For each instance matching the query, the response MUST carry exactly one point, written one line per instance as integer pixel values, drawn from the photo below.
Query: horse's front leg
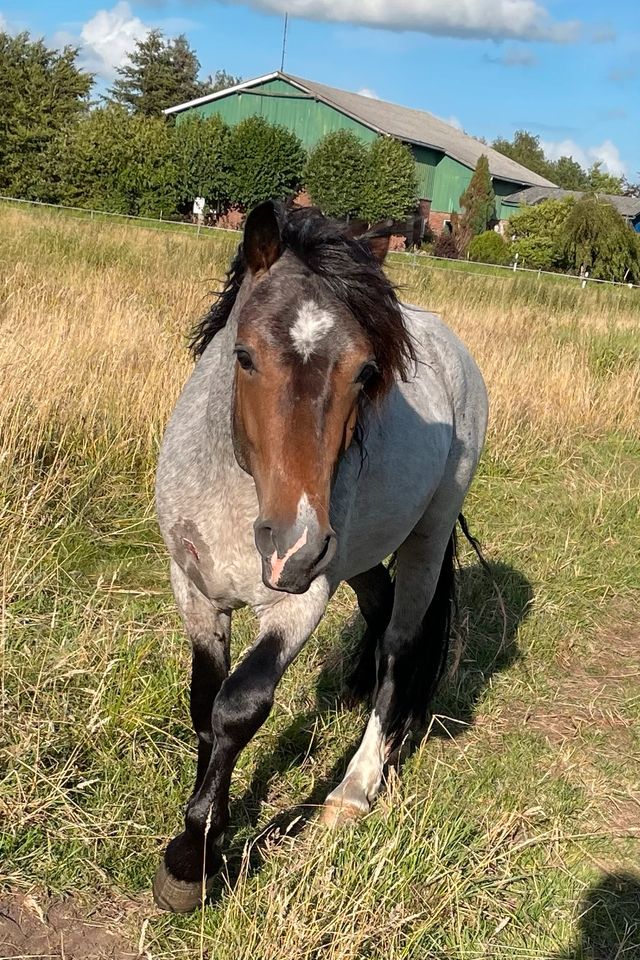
(239, 710)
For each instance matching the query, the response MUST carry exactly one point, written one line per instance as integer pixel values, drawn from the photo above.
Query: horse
(325, 427)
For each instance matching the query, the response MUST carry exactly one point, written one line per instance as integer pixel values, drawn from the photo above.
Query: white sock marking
(311, 326)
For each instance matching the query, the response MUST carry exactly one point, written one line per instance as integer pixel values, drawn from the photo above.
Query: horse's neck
(220, 398)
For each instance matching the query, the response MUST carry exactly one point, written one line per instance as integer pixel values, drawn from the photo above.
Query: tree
(525, 148)
(200, 160)
(390, 186)
(568, 174)
(536, 232)
(630, 189)
(160, 73)
(121, 163)
(595, 237)
(478, 204)
(335, 173)
(220, 80)
(264, 161)
(42, 94)
(599, 181)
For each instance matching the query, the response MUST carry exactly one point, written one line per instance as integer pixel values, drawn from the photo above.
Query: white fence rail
(416, 259)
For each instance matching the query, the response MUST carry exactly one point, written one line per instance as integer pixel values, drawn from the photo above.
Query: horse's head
(319, 330)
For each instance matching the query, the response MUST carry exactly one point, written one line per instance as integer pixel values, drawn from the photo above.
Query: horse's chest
(214, 545)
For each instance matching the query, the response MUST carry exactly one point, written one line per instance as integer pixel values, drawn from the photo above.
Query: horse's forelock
(351, 275)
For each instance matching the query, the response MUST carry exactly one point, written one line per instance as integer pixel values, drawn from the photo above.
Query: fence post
(515, 263)
(585, 277)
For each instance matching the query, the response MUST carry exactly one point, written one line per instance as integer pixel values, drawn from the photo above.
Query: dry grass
(478, 852)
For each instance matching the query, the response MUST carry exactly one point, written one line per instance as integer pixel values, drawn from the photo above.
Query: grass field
(514, 830)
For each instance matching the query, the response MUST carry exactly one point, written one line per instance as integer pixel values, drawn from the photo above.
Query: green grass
(500, 832)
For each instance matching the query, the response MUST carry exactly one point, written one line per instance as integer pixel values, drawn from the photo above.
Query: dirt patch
(37, 927)
(586, 719)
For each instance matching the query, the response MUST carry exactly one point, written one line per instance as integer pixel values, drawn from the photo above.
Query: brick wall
(436, 221)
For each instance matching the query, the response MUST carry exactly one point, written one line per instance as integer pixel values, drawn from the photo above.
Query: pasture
(514, 830)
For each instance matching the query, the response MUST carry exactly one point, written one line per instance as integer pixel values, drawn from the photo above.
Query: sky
(565, 70)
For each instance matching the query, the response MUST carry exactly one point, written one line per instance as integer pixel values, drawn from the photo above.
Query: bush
(536, 233)
(335, 174)
(199, 148)
(390, 186)
(121, 163)
(445, 246)
(596, 237)
(489, 247)
(264, 161)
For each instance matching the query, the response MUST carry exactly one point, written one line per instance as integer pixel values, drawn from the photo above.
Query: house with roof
(445, 156)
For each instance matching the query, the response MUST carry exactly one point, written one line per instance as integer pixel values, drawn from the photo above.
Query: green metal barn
(445, 156)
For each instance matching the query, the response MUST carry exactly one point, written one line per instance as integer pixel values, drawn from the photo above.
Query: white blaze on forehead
(310, 328)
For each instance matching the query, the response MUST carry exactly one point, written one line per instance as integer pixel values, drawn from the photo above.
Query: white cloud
(477, 19)
(366, 92)
(605, 153)
(4, 24)
(109, 36)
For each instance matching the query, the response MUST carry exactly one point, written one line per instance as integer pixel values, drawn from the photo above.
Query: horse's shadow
(489, 616)
(608, 920)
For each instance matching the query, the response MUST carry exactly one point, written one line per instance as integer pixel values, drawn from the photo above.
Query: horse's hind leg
(411, 658)
(209, 630)
(374, 590)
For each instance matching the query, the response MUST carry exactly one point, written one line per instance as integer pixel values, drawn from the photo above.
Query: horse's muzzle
(293, 556)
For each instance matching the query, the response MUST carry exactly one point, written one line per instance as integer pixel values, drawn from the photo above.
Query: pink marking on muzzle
(278, 563)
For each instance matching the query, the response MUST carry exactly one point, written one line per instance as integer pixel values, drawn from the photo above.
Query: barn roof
(412, 126)
(627, 206)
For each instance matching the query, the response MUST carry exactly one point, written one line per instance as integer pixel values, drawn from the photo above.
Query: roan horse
(325, 427)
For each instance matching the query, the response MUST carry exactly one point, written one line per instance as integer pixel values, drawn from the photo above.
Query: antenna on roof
(284, 41)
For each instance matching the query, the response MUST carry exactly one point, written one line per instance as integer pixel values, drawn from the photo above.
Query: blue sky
(566, 70)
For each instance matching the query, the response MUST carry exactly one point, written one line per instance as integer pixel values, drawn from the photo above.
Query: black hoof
(179, 896)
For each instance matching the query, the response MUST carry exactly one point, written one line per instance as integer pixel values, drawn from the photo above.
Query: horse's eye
(368, 371)
(244, 359)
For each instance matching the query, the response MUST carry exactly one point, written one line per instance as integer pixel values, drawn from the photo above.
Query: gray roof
(421, 128)
(627, 206)
(413, 126)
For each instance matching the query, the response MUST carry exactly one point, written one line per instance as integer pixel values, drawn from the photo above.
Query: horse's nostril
(326, 554)
(264, 539)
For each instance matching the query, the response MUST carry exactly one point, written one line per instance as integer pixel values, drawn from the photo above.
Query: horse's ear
(378, 238)
(262, 244)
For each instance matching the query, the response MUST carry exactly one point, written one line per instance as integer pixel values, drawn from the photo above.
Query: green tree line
(125, 156)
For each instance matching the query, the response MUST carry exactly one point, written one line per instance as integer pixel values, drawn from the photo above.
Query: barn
(445, 156)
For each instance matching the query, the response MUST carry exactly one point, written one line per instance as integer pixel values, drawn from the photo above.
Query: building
(445, 156)
(628, 207)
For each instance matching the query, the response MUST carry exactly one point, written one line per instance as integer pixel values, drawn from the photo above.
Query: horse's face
(302, 363)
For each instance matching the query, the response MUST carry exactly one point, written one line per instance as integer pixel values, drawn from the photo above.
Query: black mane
(352, 275)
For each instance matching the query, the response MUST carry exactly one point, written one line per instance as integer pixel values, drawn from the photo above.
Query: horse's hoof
(338, 813)
(178, 896)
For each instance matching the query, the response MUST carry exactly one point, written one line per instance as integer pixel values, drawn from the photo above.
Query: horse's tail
(430, 654)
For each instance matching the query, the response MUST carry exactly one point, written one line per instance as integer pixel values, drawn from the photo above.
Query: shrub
(489, 247)
(265, 162)
(335, 173)
(199, 146)
(118, 162)
(390, 185)
(445, 246)
(536, 233)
